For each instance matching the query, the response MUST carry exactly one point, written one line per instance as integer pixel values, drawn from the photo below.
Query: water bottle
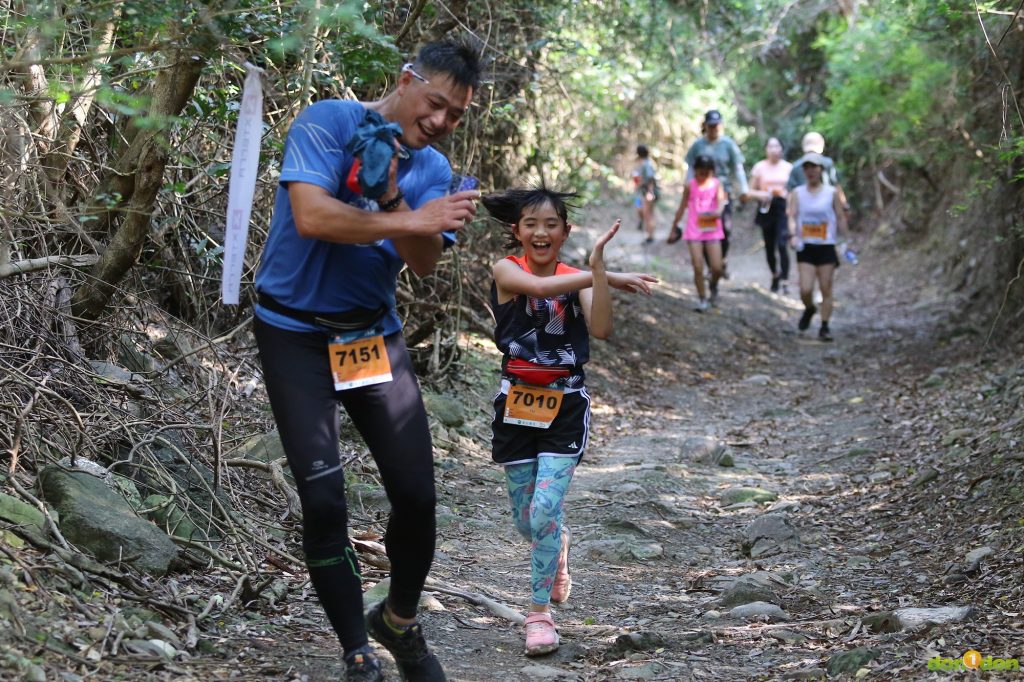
(850, 255)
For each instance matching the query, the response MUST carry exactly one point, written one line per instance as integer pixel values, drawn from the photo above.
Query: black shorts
(818, 254)
(566, 437)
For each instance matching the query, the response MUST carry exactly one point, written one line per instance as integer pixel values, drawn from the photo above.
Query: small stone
(787, 636)
(957, 435)
(638, 641)
(882, 621)
(974, 557)
(851, 661)
(431, 603)
(446, 410)
(745, 591)
(542, 672)
(160, 631)
(758, 380)
(743, 494)
(912, 618)
(705, 450)
(806, 674)
(926, 476)
(696, 640)
(34, 673)
(646, 551)
(759, 609)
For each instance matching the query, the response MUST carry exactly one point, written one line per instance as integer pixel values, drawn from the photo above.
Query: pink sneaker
(563, 581)
(541, 636)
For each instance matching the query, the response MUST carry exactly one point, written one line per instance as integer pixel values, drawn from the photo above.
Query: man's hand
(446, 214)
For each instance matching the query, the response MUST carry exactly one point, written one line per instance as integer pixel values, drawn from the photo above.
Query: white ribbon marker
(245, 161)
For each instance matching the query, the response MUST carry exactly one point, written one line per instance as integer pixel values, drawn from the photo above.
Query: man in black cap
(728, 167)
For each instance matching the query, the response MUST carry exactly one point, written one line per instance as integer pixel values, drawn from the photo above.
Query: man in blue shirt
(328, 332)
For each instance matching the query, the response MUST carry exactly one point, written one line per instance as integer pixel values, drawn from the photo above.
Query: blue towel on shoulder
(374, 144)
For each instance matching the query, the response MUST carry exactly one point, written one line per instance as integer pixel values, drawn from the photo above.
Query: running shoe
(649, 240)
(362, 666)
(805, 319)
(702, 305)
(775, 285)
(785, 287)
(541, 635)
(675, 234)
(563, 581)
(415, 661)
(825, 334)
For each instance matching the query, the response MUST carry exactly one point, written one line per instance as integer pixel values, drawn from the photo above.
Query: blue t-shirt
(320, 276)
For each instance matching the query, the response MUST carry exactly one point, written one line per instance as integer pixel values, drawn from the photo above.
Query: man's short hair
(457, 59)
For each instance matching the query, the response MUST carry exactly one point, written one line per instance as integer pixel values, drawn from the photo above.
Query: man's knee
(414, 500)
(324, 512)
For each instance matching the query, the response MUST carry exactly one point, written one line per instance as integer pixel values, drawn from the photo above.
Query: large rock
(769, 533)
(29, 519)
(99, 520)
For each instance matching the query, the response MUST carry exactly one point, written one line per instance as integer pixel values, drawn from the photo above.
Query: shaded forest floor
(880, 461)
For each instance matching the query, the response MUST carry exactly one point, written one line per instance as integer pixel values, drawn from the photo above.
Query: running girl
(545, 312)
(815, 215)
(703, 201)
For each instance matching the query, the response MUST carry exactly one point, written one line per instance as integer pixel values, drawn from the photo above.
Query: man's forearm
(420, 253)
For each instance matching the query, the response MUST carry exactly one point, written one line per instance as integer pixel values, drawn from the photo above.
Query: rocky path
(754, 504)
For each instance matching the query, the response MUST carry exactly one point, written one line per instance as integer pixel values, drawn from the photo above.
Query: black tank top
(551, 332)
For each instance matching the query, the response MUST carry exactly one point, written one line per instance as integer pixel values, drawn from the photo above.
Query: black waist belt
(350, 320)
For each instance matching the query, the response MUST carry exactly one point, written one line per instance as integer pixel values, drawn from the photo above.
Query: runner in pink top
(704, 199)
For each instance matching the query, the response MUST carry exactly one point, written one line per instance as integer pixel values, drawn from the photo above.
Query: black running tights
(391, 419)
(775, 230)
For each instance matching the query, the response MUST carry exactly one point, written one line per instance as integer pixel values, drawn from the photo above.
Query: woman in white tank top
(815, 217)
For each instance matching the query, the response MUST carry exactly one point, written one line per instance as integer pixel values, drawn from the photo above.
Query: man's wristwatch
(392, 203)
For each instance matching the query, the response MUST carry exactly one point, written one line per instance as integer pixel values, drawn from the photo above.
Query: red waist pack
(531, 373)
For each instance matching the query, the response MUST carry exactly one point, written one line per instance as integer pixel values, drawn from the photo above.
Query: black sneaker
(414, 659)
(362, 666)
(824, 333)
(775, 285)
(805, 319)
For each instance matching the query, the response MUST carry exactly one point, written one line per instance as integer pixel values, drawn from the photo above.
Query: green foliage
(887, 88)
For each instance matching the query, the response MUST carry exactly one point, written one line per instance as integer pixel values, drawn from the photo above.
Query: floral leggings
(537, 490)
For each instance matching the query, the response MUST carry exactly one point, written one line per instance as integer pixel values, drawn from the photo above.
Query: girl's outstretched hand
(597, 255)
(631, 282)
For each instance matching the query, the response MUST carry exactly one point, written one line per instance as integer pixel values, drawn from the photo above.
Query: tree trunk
(138, 174)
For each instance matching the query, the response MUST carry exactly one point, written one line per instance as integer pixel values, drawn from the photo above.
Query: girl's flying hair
(704, 162)
(507, 207)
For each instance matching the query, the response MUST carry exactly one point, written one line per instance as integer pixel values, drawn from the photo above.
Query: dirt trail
(819, 428)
